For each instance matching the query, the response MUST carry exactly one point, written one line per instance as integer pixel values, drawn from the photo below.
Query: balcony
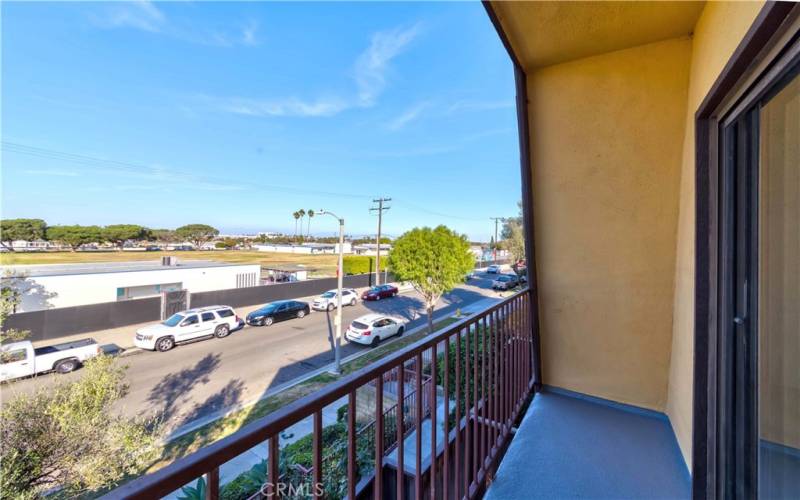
(459, 391)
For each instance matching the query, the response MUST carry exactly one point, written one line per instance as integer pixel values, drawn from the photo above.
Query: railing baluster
(212, 484)
(400, 419)
(475, 383)
(446, 459)
(273, 476)
(378, 486)
(434, 407)
(317, 453)
(418, 426)
(457, 469)
(507, 372)
(468, 448)
(492, 382)
(484, 435)
(352, 466)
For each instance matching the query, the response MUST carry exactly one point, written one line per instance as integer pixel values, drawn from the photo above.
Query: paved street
(195, 380)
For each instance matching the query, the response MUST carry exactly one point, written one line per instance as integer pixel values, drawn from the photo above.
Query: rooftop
(33, 270)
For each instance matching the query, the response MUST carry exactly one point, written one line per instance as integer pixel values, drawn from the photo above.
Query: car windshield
(359, 325)
(375, 289)
(173, 320)
(267, 308)
(504, 278)
(328, 295)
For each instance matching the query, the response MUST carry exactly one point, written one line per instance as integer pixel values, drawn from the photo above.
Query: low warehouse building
(64, 285)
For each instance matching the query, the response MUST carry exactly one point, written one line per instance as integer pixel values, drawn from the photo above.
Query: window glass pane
(779, 296)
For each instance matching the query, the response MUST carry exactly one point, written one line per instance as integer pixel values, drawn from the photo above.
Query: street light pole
(337, 368)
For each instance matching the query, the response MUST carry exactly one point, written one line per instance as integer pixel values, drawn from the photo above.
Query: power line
(380, 209)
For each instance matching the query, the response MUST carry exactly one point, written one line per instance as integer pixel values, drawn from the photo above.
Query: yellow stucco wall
(607, 136)
(717, 33)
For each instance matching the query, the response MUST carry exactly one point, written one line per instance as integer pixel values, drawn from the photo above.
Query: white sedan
(373, 328)
(329, 300)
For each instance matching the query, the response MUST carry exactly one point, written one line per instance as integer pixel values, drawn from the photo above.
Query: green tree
(67, 436)
(120, 233)
(75, 236)
(197, 234)
(10, 298)
(296, 216)
(434, 261)
(302, 214)
(227, 243)
(21, 229)
(513, 235)
(310, 214)
(164, 235)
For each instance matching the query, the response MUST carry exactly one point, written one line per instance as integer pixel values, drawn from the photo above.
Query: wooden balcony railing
(474, 376)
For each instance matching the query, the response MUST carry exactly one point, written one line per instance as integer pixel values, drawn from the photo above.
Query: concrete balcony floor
(573, 446)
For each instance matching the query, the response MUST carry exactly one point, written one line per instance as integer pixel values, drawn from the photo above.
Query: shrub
(361, 264)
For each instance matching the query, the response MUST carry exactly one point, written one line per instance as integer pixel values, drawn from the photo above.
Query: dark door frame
(526, 176)
(753, 65)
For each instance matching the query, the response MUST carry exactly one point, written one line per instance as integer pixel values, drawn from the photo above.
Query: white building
(304, 248)
(63, 285)
(371, 249)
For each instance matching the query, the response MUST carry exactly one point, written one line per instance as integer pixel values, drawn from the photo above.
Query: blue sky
(238, 114)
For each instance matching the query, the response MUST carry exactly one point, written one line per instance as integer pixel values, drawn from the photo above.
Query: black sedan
(278, 311)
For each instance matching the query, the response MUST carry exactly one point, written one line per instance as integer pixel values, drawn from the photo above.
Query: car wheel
(376, 341)
(268, 321)
(330, 307)
(66, 366)
(222, 331)
(400, 331)
(301, 313)
(353, 302)
(394, 294)
(165, 344)
(377, 297)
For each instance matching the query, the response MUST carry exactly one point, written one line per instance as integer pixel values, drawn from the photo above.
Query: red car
(380, 292)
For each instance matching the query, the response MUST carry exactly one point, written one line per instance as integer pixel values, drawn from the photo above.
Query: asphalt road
(195, 380)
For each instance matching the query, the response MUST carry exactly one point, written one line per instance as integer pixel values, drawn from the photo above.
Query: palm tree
(302, 214)
(310, 215)
(296, 216)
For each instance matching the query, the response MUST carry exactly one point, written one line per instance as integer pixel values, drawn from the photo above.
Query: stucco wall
(607, 135)
(719, 30)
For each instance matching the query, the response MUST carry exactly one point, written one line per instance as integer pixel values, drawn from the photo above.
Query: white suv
(327, 301)
(218, 321)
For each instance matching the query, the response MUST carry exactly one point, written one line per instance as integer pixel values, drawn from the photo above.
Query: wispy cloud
(52, 173)
(407, 116)
(144, 15)
(372, 65)
(479, 105)
(292, 106)
(369, 73)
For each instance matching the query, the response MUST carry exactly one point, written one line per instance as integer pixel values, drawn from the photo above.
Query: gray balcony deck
(574, 447)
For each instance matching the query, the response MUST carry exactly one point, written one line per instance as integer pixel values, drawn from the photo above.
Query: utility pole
(494, 250)
(380, 208)
(337, 364)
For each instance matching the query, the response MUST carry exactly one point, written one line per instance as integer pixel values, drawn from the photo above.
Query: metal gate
(172, 302)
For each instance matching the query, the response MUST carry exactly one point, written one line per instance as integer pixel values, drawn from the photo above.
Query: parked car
(380, 292)
(373, 328)
(216, 321)
(20, 359)
(493, 269)
(328, 300)
(278, 311)
(505, 282)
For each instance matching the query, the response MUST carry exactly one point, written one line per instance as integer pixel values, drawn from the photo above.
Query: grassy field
(320, 265)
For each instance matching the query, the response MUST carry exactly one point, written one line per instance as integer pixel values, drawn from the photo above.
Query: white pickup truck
(20, 359)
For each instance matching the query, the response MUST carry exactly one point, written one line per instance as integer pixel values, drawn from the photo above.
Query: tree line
(75, 235)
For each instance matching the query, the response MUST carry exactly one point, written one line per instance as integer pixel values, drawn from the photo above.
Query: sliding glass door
(759, 341)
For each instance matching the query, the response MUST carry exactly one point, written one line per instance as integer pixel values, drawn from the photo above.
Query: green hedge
(362, 264)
